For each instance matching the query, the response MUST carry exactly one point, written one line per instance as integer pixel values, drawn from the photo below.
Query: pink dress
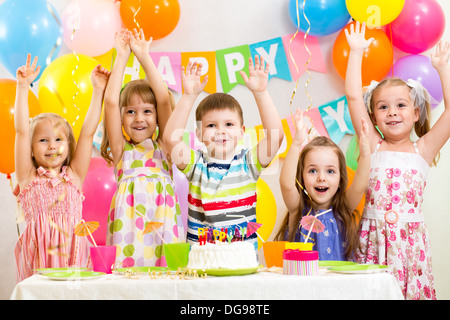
(51, 208)
(393, 231)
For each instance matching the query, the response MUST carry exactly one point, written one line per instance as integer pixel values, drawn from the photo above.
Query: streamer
(75, 26)
(135, 14)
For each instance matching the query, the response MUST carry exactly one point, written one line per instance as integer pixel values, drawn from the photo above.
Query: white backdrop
(206, 25)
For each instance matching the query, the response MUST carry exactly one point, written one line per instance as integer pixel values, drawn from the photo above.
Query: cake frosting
(235, 255)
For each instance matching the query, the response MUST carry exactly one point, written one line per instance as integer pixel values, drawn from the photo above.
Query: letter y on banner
(336, 118)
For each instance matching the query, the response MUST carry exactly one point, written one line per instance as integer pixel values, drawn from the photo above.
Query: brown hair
(142, 88)
(349, 219)
(419, 129)
(218, 101)
(56, 120)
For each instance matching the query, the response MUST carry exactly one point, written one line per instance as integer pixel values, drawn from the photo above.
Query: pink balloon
(419, 26)
(99, 188)
(181, 188)
(90, 25)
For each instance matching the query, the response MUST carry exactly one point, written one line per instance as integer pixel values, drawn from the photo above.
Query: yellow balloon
(375, 13)
(266, 210)
(106, 59)
(65, 88)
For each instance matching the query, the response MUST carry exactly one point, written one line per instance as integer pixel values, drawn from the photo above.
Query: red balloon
(99, 188)
(7, 130)
(157, 18)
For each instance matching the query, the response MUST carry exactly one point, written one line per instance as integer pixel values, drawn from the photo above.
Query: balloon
(325, 16)
(418, 67)
(377, 59)
(181, 185)
(98, 188)
(58, 92)
(375, 13)
(351, 175)
(351, 156)
(157, 18)
(419, 27)
(90, 25)
(7, 131)
(266, 210)
(28, 27)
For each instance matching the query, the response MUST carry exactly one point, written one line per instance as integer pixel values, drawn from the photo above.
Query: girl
(50, 169)
(392, 229)
(145, 190)
(320, 184)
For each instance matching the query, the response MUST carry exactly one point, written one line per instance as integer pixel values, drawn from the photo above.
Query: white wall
(212, 25)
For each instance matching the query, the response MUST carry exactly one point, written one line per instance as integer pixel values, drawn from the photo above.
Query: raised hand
(442, 55)
(301, 130)
(26, 74)
(100, 77)
(190, 77)
(258, 75)
(122, 42)
(138, 44)
(356, 37)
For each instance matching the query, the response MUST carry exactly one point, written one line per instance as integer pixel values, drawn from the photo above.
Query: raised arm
(432, 142)
(173, 137)
(274, 134)
(82, 155)
(141, 49)
(288, 176)
(25, 75)
(113, 119)
(356, 190)
(353, 80)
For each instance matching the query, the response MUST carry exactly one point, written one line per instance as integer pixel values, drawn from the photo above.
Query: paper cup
(299, 245)
(103, 258)
(273, 253)
(177, 255)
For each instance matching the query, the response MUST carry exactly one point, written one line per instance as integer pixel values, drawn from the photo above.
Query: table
(258, 286)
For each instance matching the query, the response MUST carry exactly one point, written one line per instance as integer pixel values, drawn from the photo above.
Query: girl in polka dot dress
(145, 191)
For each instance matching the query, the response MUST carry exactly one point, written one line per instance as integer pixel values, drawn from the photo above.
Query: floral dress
(393, 231)
(51, 206)
(145, 193)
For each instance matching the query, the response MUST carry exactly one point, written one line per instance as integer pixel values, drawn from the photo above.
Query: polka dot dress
(145, 193)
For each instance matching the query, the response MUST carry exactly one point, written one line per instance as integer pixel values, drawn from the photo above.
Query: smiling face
(393, 111)
(139, 119)
(220, 132)
(321, 175)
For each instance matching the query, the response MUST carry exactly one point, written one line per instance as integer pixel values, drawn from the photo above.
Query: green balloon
(352, 153)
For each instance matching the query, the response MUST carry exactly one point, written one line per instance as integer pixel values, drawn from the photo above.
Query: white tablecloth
(257, 286)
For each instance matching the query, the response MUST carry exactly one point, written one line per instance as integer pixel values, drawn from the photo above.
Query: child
(145, 190)
(222, 181)
(50, 169)
(393, 231)
(313, 181)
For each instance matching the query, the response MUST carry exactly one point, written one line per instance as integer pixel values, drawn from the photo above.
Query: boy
(222, 181)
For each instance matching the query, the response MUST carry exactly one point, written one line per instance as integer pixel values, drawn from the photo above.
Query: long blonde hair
(55, 120)
(140, 87)
(349, 219)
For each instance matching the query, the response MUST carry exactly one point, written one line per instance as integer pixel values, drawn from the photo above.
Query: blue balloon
(325, 16)
(29, 26)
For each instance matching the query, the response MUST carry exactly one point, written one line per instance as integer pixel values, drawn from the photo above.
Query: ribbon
(135, 14)
(75, 26)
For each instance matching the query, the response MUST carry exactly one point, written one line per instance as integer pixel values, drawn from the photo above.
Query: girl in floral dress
(393, 231)
(145, 191)
(50, 170)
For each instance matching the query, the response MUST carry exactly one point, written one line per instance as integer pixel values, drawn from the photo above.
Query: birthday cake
(234, 255)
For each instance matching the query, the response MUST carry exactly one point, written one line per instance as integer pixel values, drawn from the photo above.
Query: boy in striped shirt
(222, 180)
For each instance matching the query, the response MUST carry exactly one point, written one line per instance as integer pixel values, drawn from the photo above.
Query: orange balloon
(351, 175)
(157, 18)
(7, 131)
(377, 59)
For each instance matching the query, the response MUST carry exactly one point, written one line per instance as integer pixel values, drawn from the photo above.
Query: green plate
(48, 270)
(140, 269)
(360, 268)
(227, 272)
(332, 263)
(75, 275)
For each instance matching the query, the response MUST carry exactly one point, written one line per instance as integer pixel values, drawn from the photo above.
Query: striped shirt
(219, 188)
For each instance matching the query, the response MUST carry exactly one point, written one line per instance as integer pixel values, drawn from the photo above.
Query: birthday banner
(279, 52)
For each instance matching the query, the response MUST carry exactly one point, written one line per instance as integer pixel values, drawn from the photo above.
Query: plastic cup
(177, 255)
(103, 258)
(273, 253)
(299, 245)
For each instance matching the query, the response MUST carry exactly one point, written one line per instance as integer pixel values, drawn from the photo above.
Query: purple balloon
(419, 68)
